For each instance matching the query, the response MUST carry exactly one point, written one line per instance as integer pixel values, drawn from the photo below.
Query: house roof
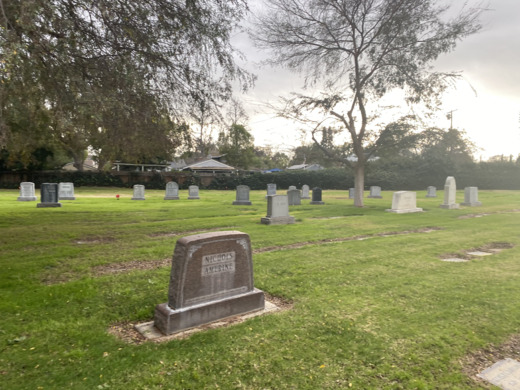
(209, 165)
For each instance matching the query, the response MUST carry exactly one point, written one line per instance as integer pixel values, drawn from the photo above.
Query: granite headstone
(277, 211)
(450, 194)
(193, 192)
(431, 192)
(66, 191)
(27, 192)
(138, 192)
(172, 191)
(242, 196)
(317, 196)
(49, 195)
(294, 197)
(305, 192)
(471, 197)
(375, 192)
(271, 189)
(404, 202)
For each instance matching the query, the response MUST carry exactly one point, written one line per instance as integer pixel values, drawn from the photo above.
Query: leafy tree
(85, 68)
(361, 50)
(237, 145)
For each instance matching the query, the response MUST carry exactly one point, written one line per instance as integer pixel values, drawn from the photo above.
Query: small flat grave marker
(479, 253)
(455, 260)
(211, 279)
(504, 374)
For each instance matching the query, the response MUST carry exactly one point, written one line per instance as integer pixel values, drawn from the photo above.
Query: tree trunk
(359, 183)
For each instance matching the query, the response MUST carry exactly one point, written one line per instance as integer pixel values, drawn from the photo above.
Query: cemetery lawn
(373, 305)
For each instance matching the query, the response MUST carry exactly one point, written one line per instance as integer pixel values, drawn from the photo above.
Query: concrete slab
(455, 260)
(504, 374)
(479, 253)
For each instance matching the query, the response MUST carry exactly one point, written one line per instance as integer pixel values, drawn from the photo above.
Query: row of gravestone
(51, 193)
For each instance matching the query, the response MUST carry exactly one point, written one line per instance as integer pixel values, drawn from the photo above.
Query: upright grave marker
(172, 191)
(404, 202)
(316, 196)
(375, 192)
(431, 192)
(291, 188)
(242, 196)
(193, 192)
(277, 211)
(471, 197)
(450, 194)
(27, 193)
(305, 192)
(211, 279)
(271, 190)
(49, 195)
(294, 197)
(351, 193)
(138, 192)
(66, 191)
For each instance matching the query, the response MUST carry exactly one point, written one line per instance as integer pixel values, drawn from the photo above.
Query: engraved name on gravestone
(277, 211)
(316, 196)
(66, 191)
(242, 196)
(404, 202)
(375, 192)
(471, 197)
(306, 192)
(211, 278)
(193, 192)
(294, 197)
(172, 191)
(138, 192)
(431, 192)
(351, 193)
(271, 189)
(450, 194)
(27, 192)
(49, 195)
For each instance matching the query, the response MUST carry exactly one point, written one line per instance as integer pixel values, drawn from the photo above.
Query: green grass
(379, 313)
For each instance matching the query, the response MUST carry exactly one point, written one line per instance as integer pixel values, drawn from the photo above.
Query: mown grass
(383, 312)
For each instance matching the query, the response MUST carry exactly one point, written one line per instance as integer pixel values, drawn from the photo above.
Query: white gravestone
(172, 191)
(271, 190)
(351, 193)
(193, 192)
(471, 197)
(306, 192)
(294, 197)
(450, 194)
(404, 202)
(291, 188)
(375, 192)
(138, 192)
(27, 192)
(277, 211)
(431, 192)
(66, 191)
(242, 196)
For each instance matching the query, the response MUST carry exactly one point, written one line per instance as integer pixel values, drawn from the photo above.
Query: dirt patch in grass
(492, 247)
(126, 330)
(478, 361)
(186, 232)
(479, 215)
(116, 268)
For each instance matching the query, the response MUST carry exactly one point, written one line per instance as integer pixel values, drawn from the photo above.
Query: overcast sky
(485, 103)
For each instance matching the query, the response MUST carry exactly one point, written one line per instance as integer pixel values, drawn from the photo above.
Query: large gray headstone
(277, 211)
(450, 194)
(375, 192)
(66, 191)
(138, 192)
(27, 192)
(242, 196)
(49, 195)
(471, 197)
(305, 192)
(211, 278)
(431, 192)
(404, 202)
(294, 197)
(271, 189)
(172, 191)
(193, 192)
(316, 196)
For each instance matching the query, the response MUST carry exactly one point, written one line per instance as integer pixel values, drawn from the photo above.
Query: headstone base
(449, 206)
(242, 203)
(472, 204)
(171, 198)
(375, 196)
(67, 198)
(26, 198)
(317, 202)
(305, 197)
(49, 204)
(404, 211)
(169, 321)
(193, 197)
(431, 196)
(277, 220)
(135, 198)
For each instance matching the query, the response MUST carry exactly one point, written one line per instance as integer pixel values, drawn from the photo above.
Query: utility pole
(450, 117)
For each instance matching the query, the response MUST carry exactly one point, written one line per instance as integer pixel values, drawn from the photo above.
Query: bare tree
(361, 50)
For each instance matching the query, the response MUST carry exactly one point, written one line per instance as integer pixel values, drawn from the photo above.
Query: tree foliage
(361, 50)
(120, 74)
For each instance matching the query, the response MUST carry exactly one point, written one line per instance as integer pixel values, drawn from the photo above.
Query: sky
(485, 103)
